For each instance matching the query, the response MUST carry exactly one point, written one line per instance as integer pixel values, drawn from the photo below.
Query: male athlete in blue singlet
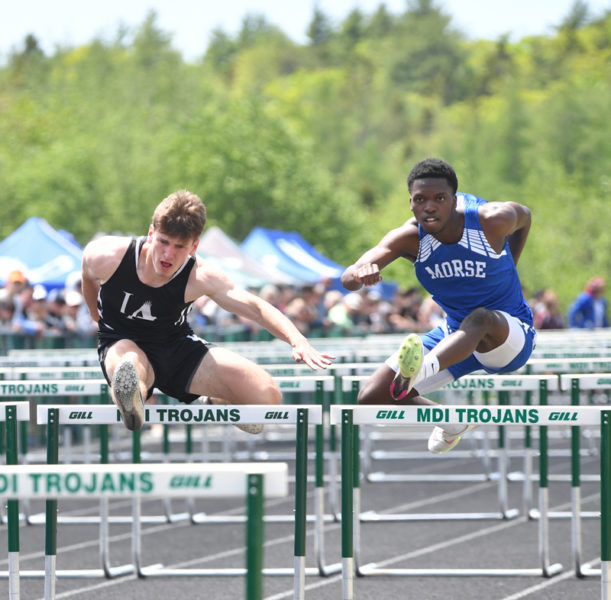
(140, 291)
(465, 251)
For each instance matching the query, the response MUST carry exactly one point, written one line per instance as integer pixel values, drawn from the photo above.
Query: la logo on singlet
(144, 312)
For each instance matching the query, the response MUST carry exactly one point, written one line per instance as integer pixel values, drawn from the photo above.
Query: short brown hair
(182, 214)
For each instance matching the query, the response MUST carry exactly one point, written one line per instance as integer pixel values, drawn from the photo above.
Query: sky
(190, 22)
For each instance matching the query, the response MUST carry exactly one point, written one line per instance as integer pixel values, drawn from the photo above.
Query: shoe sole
(410, 358)
(127, 394)
(252, 428)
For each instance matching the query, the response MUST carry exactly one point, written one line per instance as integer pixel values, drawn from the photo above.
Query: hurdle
(301, 416)
(575, 384)
(502, 384)
(563, 368)
(252, 481)
(59, 388)
(313, 383)
(350, 416)
(320, 385)
(50, 361)
(470, 385)
(73, 415)
(12, 414)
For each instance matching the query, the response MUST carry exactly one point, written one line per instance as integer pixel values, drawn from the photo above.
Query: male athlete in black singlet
(140, 290)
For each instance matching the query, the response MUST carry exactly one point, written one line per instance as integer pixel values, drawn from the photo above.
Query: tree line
(319, 137)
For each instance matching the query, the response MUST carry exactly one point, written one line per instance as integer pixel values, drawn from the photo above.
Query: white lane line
(541, 586)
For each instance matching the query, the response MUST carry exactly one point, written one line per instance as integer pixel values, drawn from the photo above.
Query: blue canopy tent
(292, 254)
(215, 243)
(43, 254)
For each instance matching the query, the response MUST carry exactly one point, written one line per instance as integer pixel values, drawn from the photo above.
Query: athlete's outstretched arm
(219, 288)
(397, 243)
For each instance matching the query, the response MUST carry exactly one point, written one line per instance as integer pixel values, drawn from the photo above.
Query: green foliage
(319, 138)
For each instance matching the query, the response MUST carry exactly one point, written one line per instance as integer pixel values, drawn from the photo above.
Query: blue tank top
(470, 274)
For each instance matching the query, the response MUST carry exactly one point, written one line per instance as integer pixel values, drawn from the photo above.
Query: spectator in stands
(303, 310)
(589, 309)
(285, 294)
(344, 315)
(77, 322)
(270, 293)
(15, 282)
(535, 301)
(37, 310)
(56, 306)
(405, 310)
(377, 311)
(430, 314)
(548, 314)
(7, 311)
(24, 320)
(298, 311)
(76, 310)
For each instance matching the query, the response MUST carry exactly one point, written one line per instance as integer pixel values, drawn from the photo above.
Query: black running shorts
(174, 364)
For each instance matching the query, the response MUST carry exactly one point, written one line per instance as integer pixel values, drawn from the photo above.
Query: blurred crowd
(317, 310)
(589, 310)
(320, 311)
(34, 311)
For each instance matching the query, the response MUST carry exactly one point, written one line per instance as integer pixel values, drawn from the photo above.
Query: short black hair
(433, 168)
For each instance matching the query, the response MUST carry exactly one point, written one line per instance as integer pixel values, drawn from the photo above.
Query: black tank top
(131, 309)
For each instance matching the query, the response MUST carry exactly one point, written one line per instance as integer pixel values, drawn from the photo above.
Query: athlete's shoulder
(108, 243)
(102, 255)
(206, 278)
(464, 199)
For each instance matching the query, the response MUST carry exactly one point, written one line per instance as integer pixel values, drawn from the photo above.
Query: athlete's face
(169, 252)
(433, 203)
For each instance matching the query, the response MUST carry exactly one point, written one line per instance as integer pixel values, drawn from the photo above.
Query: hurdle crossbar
(253, 481)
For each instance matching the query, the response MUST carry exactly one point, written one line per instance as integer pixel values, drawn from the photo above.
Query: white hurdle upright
(249, 480)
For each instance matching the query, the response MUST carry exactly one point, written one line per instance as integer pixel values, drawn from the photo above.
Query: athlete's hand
(303, 351)
(368, 274)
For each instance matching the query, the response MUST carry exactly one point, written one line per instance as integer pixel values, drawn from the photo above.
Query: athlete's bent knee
(480, 318)
(271, 394)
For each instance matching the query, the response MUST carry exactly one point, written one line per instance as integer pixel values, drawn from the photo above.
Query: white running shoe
(410, 360)
(127, 394)
(252, 428)
(441, 441)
